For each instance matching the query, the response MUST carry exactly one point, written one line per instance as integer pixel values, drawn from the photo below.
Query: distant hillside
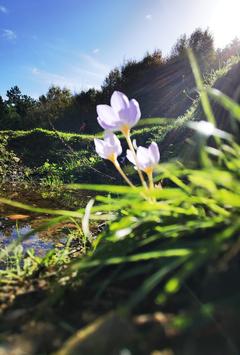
(170, 91)
(161, 91)
(227, 80)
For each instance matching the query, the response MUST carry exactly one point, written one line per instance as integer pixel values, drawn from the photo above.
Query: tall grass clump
(173, 236)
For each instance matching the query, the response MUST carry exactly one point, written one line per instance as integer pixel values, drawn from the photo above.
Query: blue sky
(75, 43)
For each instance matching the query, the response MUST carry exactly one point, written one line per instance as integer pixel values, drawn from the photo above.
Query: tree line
(146, 80)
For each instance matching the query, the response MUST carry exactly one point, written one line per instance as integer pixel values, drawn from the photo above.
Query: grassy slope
(72, 156)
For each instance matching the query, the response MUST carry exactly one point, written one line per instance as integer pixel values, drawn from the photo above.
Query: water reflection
(10, 232)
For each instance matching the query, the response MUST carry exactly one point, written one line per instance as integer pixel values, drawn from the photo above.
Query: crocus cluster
(121, 116)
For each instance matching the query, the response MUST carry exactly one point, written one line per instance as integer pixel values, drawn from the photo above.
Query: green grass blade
(231, 106)
(202, 90)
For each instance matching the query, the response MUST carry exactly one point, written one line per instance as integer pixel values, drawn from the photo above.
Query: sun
(225, 21)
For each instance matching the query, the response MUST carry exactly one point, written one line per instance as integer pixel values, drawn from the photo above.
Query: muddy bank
(16, 223)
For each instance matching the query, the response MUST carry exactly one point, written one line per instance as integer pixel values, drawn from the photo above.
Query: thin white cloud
(3, 9)
(73, 83)
(9, 34)
(95, 64)
(87, 63)
(148, 17)
(53, 78)
(82, 71)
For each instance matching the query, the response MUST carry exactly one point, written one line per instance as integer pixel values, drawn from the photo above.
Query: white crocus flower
(147, 158)
(121, 115)
(109, 148)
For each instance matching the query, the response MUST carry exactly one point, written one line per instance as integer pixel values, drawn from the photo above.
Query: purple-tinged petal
(130, 157)
(118, 147)
(99, 146)
(134, 142)
(105, 125)
(143, 157)
(106, 117)
(146, 157)
(134, 113)
(121, 114)
(106, 112)
(143, 153)
(118, 150)
(112, 141)
(108, 151)
(154, 151)
(110, 147)
(109, 138)
(119, 102)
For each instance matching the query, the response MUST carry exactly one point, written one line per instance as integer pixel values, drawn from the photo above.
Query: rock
(107, 335)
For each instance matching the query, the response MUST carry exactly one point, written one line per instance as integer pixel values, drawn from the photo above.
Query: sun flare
(225, 21)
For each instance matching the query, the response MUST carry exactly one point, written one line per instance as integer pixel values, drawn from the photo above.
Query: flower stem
(121, 172)
(151, 183)
(150, 179)
(129, 142)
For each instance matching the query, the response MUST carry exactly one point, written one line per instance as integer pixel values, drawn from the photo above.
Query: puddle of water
(33, 242)
(40, 242)
(10, 232)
